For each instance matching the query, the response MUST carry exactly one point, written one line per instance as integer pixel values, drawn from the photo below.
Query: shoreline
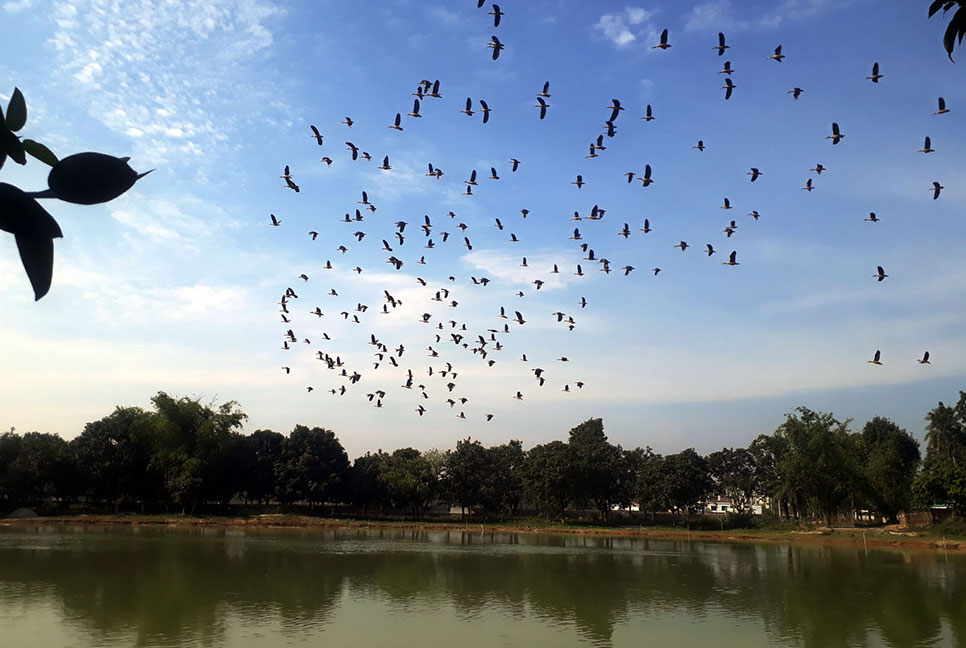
(881, 537)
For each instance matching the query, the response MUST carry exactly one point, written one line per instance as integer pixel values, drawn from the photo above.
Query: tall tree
(411, 481)
(503, 486)
(687, 480)
(312, 467)
(943, 477)
(263, 450)
(890, 460)
(594, 463)
(465, 472)
(365, 487)
(547, 478)
(733, 473)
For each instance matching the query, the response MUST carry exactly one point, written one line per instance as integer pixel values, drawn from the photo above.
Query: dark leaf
(37, 254)
(936, 6)
(12, 146)
(16, 111)
(21, 215)
(40, 152)
(90, 178)
(3, 158)
(949, 39)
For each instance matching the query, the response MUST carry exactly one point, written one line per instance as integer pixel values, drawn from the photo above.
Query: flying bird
(731, 259)
(925, 358)
(316, 134)
(721, 47)
(396, 123)
(778, 56)
(754, 173)
(936, 188)
(485, 109)
(663, 44)
(795, 92)
(836, 135)
(880, 273)
(875, 73)
(728, 87)
(648, 116)
(542, 105)
(875, 358)
(942, 107)
(927, 146)
(579, 181)
(497, 14)
(546, 90)
(496, 46)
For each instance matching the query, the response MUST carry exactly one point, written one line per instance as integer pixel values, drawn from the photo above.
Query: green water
(92, 586)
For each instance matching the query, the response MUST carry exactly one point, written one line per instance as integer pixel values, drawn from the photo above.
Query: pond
(225, 586)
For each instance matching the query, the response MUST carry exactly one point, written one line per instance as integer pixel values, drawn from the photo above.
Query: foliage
(593, 465)
(943, 478)
(890, 461)
(85, 179)
(465, 471)
(410, 480)
(734, 476)
(312, 466)
(956, 29)
(686, 480)
(503, 488)
(547, 478)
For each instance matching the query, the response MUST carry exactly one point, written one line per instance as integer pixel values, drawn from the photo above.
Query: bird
(542, 105)
(496, 46)
(927, 146)
(754, 214)
(818, 168)
(288, 370)
(875, 73)
(396, 123)
(721, 47)
(925, 358)
(546, 90)
(485, 109)
(942, 107)
(468, 110)
(327, 160)
(648, 115)
(875, 358)
(496, 13)
(754, 173)
(710, 249)
(646, 178)
(731, 259)
(647, 227)
(795, 92)
(699, 145)
(655, 271)
(316, 134)
(348, 122)
(415, 112)
(727, 69)
(355, 150)
(936, 188)
(726, 205)
(515, 165)
(880, 273)
(493, 175)
(683, 245)
(836, 135)
(615, 108)
(778, 56)
(579, 181)
(275, 221)
(385, 164)
(808, 185)
(872, 218)
(663, 44)
(728, 87)
(472, 180)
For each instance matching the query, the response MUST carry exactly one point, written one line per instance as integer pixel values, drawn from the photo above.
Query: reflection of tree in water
(182, 587)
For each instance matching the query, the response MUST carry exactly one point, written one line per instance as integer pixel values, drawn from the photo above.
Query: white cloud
(17, 5)
(718, 15)
(624, 28)
(159, 73)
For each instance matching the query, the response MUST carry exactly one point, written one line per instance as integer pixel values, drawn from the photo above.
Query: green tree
(733, 473)
(365, 487)
(313, 466)
(411, 481)
(687, 480)
(113, 456)
(593, 465)
(503, 486)
(262, 450)
(36, 467)
(890, 461)
(465, 472)
(819, 466)
(766, 451)
(943, 476)
(650, 487)
(547, 478)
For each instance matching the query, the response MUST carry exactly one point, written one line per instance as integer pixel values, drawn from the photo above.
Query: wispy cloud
(716, 15)
(623, 28)
(17, 5)
(164, 75)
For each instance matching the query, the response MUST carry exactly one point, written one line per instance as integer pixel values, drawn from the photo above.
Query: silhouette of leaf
(11, 145)
(16, 111)
(40, 152)
(91, 178)
(22, 215)
(37, 254)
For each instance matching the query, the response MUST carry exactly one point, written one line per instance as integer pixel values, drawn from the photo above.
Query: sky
(176, 285)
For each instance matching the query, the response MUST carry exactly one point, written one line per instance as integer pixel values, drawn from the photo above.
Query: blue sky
(175, 285)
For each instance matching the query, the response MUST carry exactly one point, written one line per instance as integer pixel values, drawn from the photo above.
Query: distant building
(724, 505)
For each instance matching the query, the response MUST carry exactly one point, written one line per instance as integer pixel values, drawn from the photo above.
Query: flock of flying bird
(485, 341)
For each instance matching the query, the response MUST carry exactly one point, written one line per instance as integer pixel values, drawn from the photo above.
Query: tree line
(183, 454)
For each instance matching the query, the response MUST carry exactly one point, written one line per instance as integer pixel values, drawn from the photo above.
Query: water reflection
(154, 586)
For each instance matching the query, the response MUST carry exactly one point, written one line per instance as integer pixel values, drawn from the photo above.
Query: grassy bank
(947, 538)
